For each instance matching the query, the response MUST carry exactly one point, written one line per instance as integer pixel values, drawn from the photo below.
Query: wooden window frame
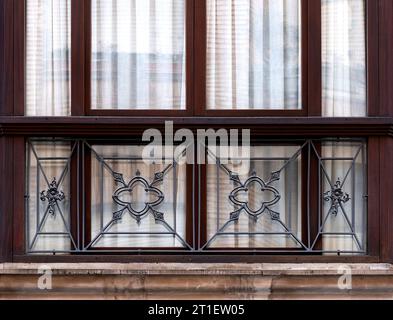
(15, 127)
(311, 67)
(195, 56)
(196, 17)
(82, 52)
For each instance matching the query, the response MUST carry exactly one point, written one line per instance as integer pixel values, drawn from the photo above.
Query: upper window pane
(48, 44)
(253, 54)
(344, 58)
(138, 54)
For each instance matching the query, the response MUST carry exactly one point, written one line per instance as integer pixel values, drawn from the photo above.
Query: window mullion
(80, 40)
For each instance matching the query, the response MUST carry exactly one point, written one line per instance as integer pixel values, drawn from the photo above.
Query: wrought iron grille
(297, 196)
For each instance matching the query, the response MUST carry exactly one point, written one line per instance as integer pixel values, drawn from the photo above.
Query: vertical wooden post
(6, 201)
(385, 108)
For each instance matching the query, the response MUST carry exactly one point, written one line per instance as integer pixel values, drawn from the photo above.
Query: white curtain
(253, 62)
(253, 54)
(344, 58)
(48, 58)
(138, 54)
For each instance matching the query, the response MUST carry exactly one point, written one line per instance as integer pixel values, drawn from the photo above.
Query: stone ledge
(196, 269)
(196, 281)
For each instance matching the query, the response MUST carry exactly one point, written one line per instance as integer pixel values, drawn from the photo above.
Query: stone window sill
(196, 281)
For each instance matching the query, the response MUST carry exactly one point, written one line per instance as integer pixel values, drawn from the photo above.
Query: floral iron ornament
(336, 196)
(244, 205)
(53, 196)
(128, 188)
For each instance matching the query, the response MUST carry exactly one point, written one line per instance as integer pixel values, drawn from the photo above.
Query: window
(254, 51)
(134, 205)
(344, 58)
(98, 73)
(48, 58)
(138, 54)
(253, 203)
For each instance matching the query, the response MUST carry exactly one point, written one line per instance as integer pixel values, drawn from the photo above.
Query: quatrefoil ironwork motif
(53, 196)
(337, 197)
(129, 188)
(244, 204)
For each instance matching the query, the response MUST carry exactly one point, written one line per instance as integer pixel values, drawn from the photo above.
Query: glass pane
(256, 205)
(48, 59)
(343, 222)
(138, 54)
(253, 54)
(344, 58)
(131, 205)
(48, 190)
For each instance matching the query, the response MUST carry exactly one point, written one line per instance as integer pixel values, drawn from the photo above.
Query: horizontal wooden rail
(126, 126)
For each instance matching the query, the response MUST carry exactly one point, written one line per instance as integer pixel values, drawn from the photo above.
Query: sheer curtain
(344, 58)
(253, 54)
(253, 62)
(138, 54)
(48, 44)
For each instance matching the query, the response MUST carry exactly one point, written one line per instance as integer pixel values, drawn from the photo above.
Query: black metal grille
(65, 183)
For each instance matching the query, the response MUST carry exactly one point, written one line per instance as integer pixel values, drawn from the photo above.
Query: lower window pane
(294, 196)
(48, 194)
(134, 204)
(344, 209)
(259, 207)
(310, 197)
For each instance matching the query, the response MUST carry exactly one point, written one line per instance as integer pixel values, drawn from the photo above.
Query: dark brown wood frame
(196, 56)
(311, 67)
(83, 48)
(14, 127)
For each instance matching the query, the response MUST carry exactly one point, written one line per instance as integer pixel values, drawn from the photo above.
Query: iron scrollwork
(53, 196)
(337, 197)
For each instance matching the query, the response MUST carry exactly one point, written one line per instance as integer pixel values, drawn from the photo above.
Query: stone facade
(196, 281)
